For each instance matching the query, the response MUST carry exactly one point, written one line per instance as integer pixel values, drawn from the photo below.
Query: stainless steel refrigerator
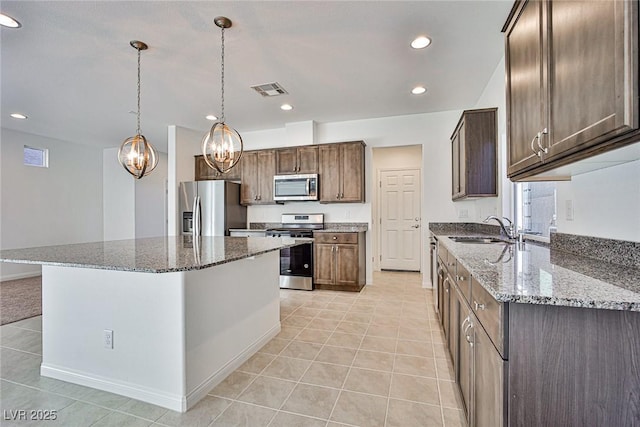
(211, 208)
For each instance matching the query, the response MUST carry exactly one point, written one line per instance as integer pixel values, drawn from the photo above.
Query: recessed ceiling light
(18, 116)
(286, 107)
(418, 90)
(211, 117)
(7, 21)
(420, 42)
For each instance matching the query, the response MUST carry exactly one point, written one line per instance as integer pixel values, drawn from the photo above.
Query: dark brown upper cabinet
(295, 160)
(474, 155)
(571, 82)
(203, 172)
(258, 169)
(342, 172)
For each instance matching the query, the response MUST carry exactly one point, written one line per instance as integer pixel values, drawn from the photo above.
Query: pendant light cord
(138, 115)
(222, 79)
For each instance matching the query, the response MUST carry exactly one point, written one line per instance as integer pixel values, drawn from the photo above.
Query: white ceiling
(71, 70)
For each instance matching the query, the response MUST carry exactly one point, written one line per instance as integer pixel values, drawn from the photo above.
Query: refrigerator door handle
(196, 217)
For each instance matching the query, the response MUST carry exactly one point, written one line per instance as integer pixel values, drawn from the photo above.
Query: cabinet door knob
(460, 278)
(335, 237)
(338, 196)
(478, 306)
(537, 153)
(342, 195)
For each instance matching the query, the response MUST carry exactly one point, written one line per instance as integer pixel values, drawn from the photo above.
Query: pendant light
(136, 154)
(222, 145)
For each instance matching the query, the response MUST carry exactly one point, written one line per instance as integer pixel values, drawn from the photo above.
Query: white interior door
(400, 220)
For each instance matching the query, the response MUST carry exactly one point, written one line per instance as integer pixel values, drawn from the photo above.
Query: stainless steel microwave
(295, 187)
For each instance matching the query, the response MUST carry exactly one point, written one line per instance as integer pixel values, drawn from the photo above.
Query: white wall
(118, 198)
(48, 206)
(606, 203)
(151, 201)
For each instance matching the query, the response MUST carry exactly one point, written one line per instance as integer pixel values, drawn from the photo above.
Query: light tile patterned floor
(370, 359)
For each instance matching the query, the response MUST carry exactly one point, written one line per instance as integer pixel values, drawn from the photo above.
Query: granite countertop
(343, 227)
(535, 274)
(151, 255)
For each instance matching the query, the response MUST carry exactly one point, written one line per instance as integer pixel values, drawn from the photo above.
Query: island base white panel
(229, 316)
(175, 335)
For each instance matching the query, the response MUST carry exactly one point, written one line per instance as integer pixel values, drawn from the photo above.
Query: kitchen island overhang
(183, 316)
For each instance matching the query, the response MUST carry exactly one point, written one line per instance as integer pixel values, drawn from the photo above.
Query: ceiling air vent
(270, 89)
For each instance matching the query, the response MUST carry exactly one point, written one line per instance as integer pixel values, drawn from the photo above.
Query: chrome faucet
(509, 232)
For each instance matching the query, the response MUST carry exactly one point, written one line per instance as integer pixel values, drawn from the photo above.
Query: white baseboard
(17, 276)
(166, 400)
(156, 397)
(217, 377)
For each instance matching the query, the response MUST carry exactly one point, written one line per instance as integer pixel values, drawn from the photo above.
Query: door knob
(415, 226)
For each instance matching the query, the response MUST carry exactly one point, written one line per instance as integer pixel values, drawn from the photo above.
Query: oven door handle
(308, 187)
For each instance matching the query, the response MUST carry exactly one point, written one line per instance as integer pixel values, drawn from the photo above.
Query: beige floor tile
(316, 304)
(454, 418)
(311, 400)
(284, 419)
(331, 314)
(78, 414)
(412, 365)
(374, 360)
(296, 321)
(302, 350)
(288, 332)
(362, 308)
(449, 394)
(233, 385)
(325, 374)
(444, 369)
(368, 381)
(337, 355)
(357, 317)
(143, 410)
(286, 368)
(275, 346)
(381, 320)
(405, 414)
(200, 415)
(257, 363)
(389, 311)
(383, 331)
(243, 415)
(414, 334)
(313, 335)
(307, 311)
(265, 391)
(352, 328)
(415, 348)
(323, 324)
(117, 419)
(340, 339)
(339, 306)
(379, 344)
(360, 409)
(440, 350)
(417, 389)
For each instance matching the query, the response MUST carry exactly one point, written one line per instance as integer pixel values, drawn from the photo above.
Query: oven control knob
(306, 266)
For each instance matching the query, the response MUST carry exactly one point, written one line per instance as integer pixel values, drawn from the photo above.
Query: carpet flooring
(20, 299)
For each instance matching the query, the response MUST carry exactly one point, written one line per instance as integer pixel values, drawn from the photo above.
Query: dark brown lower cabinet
(338, 261)
(541, 365)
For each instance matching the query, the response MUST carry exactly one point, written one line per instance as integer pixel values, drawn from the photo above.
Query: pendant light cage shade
(222, 147)
(137, 156)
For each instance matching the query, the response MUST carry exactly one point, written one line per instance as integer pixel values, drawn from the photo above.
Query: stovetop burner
(298, 225)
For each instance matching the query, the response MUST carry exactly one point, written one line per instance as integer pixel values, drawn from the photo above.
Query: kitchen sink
(471, 239)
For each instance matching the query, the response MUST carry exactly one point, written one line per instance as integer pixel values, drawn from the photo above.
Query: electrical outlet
(108, 339)
(569, 210)
(464, 213)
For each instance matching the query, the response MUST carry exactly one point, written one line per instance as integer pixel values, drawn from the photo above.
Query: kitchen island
(162, 320)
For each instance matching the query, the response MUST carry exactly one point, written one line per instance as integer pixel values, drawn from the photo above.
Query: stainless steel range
(296, 263)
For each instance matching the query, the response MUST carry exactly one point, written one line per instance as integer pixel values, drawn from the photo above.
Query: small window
(36, 157)
(536, 208)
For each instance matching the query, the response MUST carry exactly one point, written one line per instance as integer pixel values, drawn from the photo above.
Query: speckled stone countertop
(343, 227)
(535, 274)
(151, 255)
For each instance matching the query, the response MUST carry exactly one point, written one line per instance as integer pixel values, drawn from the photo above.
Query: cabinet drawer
(349, 238)
(463, 280)
(443, 254)
(490, 313)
